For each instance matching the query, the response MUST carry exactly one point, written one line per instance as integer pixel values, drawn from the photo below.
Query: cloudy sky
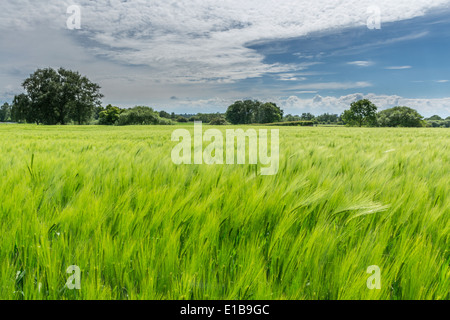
(201, 55)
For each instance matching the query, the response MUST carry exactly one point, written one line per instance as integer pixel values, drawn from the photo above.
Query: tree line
(63, 96)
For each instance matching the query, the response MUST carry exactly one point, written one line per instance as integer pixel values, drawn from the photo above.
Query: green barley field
(111, 201)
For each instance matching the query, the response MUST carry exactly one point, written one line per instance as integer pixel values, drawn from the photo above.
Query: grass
(110, 201)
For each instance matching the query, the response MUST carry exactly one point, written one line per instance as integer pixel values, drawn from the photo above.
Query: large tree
(59, 96)
(249, 111)
(21, 109)
(110, 115)
(362, 112)
(241, 112)
(5, 112)
(267, 113)
(400, 117)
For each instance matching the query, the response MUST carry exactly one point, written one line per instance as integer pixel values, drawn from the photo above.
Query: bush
(293, 124)
(182, 119)
(218, 122)
(139, 116)
(399, 117)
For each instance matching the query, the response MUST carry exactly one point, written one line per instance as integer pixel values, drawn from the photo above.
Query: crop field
(111, 201)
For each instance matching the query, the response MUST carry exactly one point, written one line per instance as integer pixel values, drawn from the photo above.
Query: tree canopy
(362, 112)
(249, 111)
(57, 97)
(5, 112)
(400, 117)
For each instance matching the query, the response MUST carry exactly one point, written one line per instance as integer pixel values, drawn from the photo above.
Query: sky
(202, 55)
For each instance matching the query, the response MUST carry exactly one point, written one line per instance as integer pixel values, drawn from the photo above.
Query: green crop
(111, 201)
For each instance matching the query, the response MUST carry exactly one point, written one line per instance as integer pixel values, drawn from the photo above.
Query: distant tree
(139, 115)
(182, 119)
(400, 117)
(220, 121)
(327, 118)
(110, 115)
(194, 118)
(307, 117)
(291, 118)
(60, 96)
(241, 112)
(164, 114)
(435, 117)
(21, 109)
(206, 117)
(268, 112)
(97, 111)
(362, 112)
(5, 112)
(249, 111)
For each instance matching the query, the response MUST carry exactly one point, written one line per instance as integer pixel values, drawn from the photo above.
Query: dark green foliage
(435, 117)
(400, 117)
(21, 109)
(290, 118)
(220, 121)
(362, 112)
(248, 111)
(140, 115)
(110, 115)
(307, 117)
(267, 113)
(164, 114)
(293, 124)
(5, 112)
(439, 123)
(327, 118)
(182, 119)
(206, 117)
(57, 97)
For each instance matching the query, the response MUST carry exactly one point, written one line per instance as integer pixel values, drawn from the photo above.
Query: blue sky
(200, 56)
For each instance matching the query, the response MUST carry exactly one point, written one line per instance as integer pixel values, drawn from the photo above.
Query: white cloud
(187, 41)
(361, 63)
(398, 67)
(332, 86)
(319, 104)
(316, 105)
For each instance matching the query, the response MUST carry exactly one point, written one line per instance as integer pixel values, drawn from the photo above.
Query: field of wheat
(111, 201)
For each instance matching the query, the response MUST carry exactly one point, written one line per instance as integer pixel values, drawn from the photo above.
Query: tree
(220, 121)
(362, 112)
(60, 96)
(109, 116)
(307, 117)
(291, 118)
(164, 114)
(138, 116)
(267, 113)
(242, 112)
(400, 117)
(327, 118)
(249, 111)
(5, 112)
(182, 119)
(435, 117)
(97, 111)
(21, 109)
